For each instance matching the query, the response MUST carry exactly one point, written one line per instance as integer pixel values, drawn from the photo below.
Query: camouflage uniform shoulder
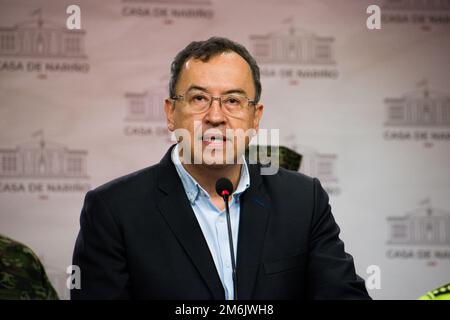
(22, 275)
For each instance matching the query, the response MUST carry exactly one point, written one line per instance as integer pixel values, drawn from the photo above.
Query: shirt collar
(193, 189)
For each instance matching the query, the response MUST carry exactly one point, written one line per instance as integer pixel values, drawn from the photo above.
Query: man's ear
(258, 115)
(169, 109)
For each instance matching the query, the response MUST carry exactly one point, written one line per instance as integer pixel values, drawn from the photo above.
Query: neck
(207, 176)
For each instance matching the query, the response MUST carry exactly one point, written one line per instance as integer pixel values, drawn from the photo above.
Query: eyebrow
(236, 90)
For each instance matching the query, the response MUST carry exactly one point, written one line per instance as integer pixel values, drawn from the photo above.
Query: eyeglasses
(199, 101)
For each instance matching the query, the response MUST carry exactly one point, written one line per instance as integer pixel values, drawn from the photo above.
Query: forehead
(227, 70)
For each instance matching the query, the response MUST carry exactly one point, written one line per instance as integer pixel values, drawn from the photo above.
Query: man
(161, 233)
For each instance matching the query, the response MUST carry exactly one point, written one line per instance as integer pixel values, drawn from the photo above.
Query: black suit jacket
(139, 238)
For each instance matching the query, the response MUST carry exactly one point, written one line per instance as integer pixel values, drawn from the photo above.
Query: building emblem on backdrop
(168, 11)
(421, 108)
(422, 115)
(423, 226)
(146, 106)
(41, 38)
(41, 166)
(43, 46)
(422, 233)
(293, 47)
(144, 113)
(292, 53)
(317, 164)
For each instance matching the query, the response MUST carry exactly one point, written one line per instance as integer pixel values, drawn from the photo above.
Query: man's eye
(199, 98)
(233, 101)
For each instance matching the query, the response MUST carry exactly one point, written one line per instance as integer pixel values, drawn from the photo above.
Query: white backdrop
(368, 109)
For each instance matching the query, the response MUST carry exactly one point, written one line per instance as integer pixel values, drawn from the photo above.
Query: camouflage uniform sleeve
(22, 275)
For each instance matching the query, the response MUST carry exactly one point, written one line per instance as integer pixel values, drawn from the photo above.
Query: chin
(215, 166)
(221, 159)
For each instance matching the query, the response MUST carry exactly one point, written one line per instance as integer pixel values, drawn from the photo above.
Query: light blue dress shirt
(213, 222)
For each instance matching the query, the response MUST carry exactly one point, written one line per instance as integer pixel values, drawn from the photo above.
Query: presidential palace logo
(422, 115)
(43, 167)
(168, 11)
(43, 47)
(292, 54)
(317, 164)
(144, 113)
(425, 14)
(422, 233)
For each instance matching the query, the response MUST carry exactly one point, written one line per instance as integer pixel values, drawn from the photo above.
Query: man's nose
(215, 114)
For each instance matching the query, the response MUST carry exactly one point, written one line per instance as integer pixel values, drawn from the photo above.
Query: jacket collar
(177, 211)
(193, 189)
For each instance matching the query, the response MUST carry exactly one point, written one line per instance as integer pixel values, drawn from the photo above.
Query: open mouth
(214, 139)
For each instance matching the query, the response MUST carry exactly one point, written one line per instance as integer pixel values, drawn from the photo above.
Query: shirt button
(227, 265)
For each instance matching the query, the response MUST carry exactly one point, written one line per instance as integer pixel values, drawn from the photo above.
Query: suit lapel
(254, 215)
(176, 210)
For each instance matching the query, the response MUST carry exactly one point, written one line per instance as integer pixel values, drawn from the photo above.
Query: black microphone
(224, 188)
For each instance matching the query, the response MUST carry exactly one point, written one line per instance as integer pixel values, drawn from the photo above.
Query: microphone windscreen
(224, 184)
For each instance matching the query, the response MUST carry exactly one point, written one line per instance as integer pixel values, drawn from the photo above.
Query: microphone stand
(230, 239)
